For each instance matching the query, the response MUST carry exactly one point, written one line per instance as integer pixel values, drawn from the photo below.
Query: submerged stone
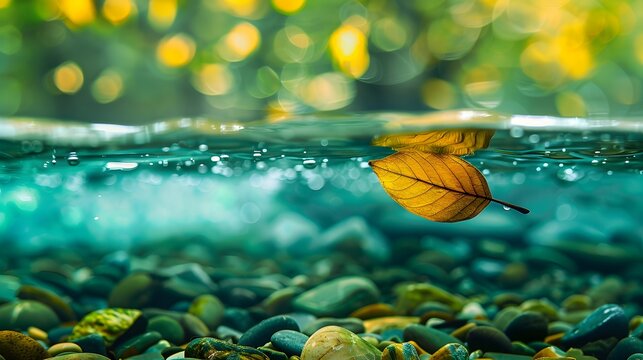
(261, 333)
(110, 323)
(428, 338)
(607, 321)
(403, 351)
(338, 297)
(16, 346)
(335, 343)
(452, 351)
(209, 309)
(289, 341)
(213, 349)
(20, 315)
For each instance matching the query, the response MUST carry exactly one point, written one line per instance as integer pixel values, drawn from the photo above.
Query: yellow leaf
(456, 142)
(438, 187)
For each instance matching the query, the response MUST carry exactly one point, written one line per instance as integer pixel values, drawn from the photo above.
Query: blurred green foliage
(133, 61)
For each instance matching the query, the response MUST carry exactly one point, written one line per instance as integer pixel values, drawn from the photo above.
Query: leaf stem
(520, 209)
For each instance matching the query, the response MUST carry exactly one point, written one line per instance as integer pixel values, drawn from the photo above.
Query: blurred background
(136, 61)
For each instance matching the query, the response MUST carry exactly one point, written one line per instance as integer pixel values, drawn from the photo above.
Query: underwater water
(260, 215)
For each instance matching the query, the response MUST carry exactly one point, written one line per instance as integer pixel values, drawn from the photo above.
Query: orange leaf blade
(456, 142)
(438, 187)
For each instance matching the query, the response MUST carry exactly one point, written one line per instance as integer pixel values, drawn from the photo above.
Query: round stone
(64, 347)
(351, 324)
(209, 309)
(52, 300)
(92, 343)
(137, 345)
(626, 348)
(261, 333)
(428, 338)
(607, 321)
(289, 341)
(134, 291)
(338, 297)
(451, 352)
(170, 329)
(16, 346)
(402, 351)
(20, 315)
(488, 339)
(527, 327)
(335, 343)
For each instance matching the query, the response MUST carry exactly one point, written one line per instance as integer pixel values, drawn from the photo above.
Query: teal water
(282, 182)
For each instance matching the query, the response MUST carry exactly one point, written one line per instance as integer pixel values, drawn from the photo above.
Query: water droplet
(72, 159)
(203, 147)
(309, 163)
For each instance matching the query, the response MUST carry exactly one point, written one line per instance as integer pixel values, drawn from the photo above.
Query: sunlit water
(280, 181)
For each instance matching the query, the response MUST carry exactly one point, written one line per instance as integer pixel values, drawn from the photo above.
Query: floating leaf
(456, 142)
(439, 187)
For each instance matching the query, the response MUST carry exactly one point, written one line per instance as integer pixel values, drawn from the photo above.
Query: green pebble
(137, 345)
(338, 297)
(110, 323)
(169, 328)
(134, 291)
(428, 338)
(209, 309)
(20, 315)
(403, 351)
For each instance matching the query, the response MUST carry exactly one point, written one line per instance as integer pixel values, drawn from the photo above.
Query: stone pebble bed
(437, 299)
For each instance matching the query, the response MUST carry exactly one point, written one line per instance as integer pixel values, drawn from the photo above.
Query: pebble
(336, 343)
(403, 351)
(411, 296)
(607, 321)
(169, 328)
(289, 341)
(262, 332)
(49, 298)
(528, 326)
(625, 348)
(488, 339)
(338, 297)
(20, 315)
(64, 347)
(351, 324)
(453, 351)
(428, 338)
(81, 356)
(205, 348)
(110, 323)
(134, 291)
(92, 343)
(138, 344)
(16, 346)
(209, 309)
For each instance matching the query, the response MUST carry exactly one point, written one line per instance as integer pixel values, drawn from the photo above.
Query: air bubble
(203, 147)
(569, 175)
(309, 163)
(534, 138)
(215, 158)
(72, 158)
(516, 132)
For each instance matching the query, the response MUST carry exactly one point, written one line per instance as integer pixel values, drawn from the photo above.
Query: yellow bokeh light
(78, 12)
(638, 48)
(117, 11)
(213, 79)
(570, 104)
(439, 94)
(348, 48)
(68, 78)
(4, 3)
(288, 6)
(161, 13)
(242, 8)
(329, 91)
(108, 87)
(176, 51)
(240, 42)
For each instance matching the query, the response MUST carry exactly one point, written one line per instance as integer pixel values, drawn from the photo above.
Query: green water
(282, 181)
